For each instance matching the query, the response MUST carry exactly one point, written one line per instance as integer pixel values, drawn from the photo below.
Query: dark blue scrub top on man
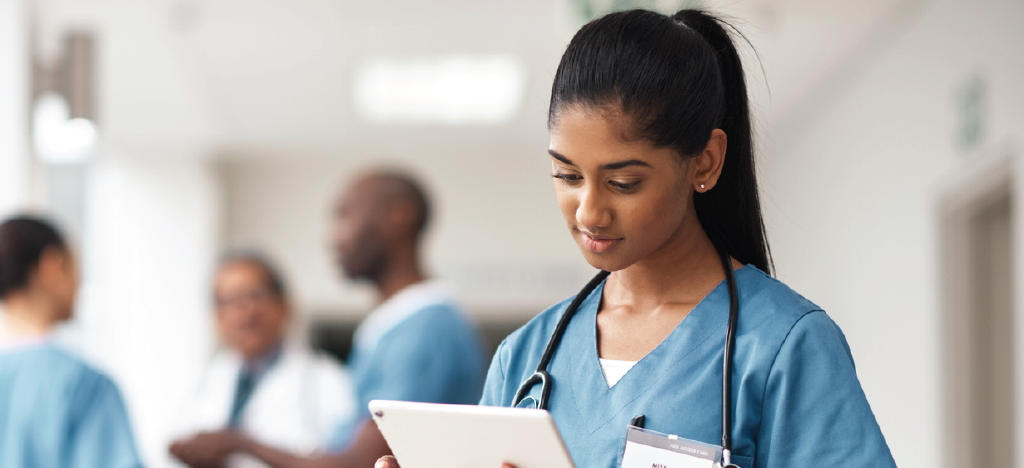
(796, 398)
(434, 355)
(56, 411)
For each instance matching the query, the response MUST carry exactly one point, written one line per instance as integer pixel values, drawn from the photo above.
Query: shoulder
(70, 368)
(223, 360)
(770, 307)
(72, 375)
(437, 319)
(520, 351)
(434, 330)
(539, 328)
(92, 380)
(217, 375)
(770, 295)
(775, 318)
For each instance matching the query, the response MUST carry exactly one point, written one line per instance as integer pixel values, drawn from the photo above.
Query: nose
(593, 212)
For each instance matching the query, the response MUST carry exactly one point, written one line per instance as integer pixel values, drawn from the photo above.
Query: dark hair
(23, 239)
(678, 78)
(271, 275)
(397, 185)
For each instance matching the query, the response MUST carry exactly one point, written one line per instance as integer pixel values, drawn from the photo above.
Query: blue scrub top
(56, 411)
(432, 356)
(796, 398)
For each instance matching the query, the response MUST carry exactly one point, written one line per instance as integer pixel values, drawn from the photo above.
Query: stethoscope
(542, 375)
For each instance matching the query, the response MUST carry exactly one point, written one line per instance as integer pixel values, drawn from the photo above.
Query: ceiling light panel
(452, 90)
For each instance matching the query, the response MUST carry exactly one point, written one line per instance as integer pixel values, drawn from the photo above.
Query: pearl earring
(702, 186)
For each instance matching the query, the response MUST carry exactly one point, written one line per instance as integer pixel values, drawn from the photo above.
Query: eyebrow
(609, 166)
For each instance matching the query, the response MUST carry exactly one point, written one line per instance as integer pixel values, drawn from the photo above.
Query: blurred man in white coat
(259, 385)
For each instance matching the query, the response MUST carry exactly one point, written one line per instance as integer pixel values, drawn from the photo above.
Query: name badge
(652, 449)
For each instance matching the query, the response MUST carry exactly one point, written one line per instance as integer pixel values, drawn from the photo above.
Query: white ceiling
(272, 77)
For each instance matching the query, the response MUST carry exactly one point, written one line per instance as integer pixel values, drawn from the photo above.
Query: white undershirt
(614, 370)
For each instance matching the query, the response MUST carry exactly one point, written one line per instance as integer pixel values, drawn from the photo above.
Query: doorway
(979, 364)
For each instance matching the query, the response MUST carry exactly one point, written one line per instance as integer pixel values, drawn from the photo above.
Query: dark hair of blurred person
(45, 391)
(38, 276)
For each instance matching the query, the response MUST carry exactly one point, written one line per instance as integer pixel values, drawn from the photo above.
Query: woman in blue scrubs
(653, 166)
(55, 411)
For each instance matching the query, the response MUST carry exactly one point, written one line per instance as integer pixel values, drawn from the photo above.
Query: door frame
(982, 179)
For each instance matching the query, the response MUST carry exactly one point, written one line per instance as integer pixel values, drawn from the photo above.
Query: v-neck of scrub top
(707, 320)
(614, 369)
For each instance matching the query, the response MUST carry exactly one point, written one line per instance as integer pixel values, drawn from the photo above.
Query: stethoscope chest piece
(544, 379)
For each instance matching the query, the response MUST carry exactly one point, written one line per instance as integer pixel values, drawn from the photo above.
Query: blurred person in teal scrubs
(55, 410)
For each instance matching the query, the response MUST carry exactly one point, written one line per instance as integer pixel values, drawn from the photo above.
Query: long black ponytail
(678, 78)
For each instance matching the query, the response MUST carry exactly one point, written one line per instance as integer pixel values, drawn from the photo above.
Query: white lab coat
(296, 405)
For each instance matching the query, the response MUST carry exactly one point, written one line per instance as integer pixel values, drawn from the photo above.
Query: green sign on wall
(971, 108)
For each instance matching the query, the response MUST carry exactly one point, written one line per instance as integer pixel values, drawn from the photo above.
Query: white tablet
(428, 435)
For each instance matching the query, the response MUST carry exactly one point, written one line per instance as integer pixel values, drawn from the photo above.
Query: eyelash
(621, 186)
(571, 178)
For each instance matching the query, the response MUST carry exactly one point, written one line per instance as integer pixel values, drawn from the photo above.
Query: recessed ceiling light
(451, 90)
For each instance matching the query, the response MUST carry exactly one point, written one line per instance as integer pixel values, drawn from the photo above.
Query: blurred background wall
(890, 132)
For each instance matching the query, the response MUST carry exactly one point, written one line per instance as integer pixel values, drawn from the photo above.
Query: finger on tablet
(386, 461)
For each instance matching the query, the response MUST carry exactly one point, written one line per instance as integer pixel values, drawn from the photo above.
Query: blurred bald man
(416, 345)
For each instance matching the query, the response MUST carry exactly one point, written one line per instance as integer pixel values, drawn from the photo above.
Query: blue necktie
(246, 384)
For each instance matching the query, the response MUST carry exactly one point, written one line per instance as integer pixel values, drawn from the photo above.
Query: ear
(400, 219)
(52, 265)
(707, 166)
(286, 305)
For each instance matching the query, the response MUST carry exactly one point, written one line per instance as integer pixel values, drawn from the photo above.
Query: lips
(598, 243)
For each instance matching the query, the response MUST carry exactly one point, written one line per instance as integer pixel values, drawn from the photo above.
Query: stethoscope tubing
(727, 354)
(542, 376)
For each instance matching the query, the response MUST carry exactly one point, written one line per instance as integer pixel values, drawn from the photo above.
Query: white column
(152, 235)
(15, 88)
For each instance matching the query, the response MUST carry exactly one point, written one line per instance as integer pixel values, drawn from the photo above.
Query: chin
(607, 261)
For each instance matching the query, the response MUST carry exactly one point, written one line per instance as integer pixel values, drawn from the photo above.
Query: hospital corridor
(784, 232)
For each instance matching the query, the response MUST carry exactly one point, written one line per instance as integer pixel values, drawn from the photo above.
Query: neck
(264, 356)
(402, 271)
(27, 316)
(682, 271)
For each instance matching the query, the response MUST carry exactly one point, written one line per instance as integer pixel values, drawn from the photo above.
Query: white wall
(853, 203)
(152, 210)
(15, 87)
(497, 235)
